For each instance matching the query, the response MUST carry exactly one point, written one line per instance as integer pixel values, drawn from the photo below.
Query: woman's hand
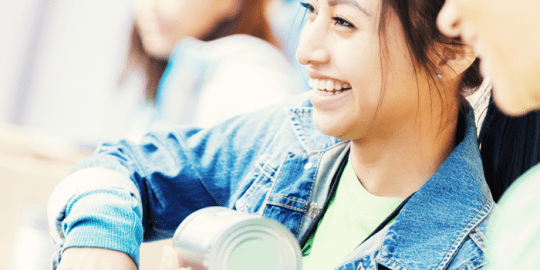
(170, 260)
(89, 258)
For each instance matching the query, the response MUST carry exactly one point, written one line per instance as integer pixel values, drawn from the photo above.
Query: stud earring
(439, 76)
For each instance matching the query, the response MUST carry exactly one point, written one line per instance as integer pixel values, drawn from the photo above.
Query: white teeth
(322, 84)
(312, 83)
(329, 93)
(331, 86)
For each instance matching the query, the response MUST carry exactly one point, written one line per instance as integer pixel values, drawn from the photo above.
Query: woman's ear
(453, 60)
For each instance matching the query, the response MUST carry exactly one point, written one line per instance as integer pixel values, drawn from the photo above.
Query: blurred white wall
(16, 22)
(61, 65)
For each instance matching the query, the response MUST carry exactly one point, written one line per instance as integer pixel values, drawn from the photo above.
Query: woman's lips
(328, 84)
(328, 93)
(329, 100)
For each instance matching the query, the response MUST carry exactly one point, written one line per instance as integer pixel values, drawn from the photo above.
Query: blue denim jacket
(274, 163)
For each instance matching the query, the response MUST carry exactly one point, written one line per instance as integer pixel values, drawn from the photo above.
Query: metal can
(219, 238)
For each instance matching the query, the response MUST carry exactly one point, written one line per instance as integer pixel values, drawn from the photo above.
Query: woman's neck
(399, 164)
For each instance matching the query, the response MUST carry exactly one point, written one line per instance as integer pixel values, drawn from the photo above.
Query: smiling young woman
(344, 46)
(377, 167)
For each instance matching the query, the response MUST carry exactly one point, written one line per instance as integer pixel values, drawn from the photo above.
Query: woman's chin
(158, 50)
(511, 105)
(330, 125)
(518, 98)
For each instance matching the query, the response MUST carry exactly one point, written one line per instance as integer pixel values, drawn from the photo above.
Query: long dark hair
(418, 19)
(251, 20)
(509, 147)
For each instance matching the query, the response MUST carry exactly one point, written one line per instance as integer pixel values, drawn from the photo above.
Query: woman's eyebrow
(350, 3)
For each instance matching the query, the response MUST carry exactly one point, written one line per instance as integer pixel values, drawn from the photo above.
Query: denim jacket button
(308, 166)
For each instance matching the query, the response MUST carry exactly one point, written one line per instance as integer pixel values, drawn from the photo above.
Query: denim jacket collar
(438, 217)
(445, 211)
(311, 139)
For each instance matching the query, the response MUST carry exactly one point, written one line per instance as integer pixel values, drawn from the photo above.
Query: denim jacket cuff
(78, 183)
(108, 218)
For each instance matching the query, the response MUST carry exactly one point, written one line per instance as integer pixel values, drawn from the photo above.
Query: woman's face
(505, 35)
(341, 49)
(161, 23)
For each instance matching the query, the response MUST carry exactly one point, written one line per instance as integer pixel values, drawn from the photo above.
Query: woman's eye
(308, 7)
(342, 22)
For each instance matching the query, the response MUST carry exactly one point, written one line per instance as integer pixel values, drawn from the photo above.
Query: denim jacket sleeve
(125, 190)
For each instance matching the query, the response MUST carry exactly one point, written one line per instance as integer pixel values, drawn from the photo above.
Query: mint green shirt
(353, 213)
(514, 232)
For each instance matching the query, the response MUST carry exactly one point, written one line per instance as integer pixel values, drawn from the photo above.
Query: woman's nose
(449, 21)
(312, 48)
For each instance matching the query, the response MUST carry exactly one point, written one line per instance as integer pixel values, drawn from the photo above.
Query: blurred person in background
(287, 19)
(198, 69)
(506, 38)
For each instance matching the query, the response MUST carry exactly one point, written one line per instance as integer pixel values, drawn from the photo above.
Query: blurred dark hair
(418, 19)
(251, 20)
(509, 147)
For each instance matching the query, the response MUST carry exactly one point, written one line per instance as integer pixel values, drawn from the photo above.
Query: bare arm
(88, 258)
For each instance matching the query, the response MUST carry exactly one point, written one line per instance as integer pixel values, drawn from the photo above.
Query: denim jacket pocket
(289, 200)
(252, 201)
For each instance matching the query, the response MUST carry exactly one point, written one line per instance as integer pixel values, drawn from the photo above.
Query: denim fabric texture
(275, 163)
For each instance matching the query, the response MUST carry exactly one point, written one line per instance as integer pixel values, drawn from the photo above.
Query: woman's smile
(328, 85)
(326, 100)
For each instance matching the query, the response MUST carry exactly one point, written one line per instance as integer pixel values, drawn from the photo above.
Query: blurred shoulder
(515, 228)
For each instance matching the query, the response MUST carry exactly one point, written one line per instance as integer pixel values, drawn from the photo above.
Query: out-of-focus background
(60, 63)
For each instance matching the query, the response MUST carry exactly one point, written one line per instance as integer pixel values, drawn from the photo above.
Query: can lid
(258, 243)
(254, 254)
